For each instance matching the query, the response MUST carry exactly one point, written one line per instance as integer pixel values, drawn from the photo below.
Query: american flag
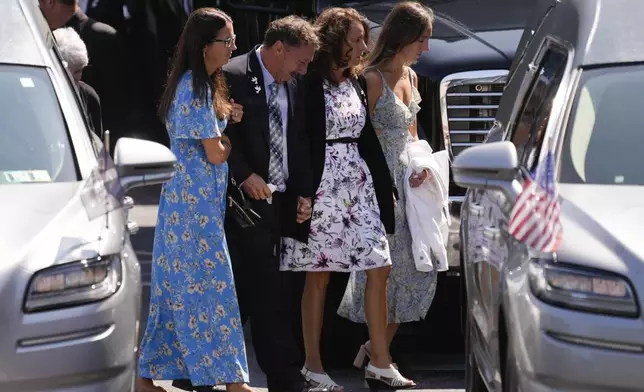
(102, 192)
(535, 217)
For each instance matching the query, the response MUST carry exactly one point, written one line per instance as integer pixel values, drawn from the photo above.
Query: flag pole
(106, 154)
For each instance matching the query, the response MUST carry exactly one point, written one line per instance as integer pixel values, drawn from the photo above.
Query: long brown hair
(333, 26)
(200, 30)
(404, 25)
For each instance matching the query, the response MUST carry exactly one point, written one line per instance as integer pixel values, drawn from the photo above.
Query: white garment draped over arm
(427, 206)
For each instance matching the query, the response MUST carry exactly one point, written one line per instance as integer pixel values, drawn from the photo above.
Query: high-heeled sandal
(363, 355)
(321, 380)
(388, 379)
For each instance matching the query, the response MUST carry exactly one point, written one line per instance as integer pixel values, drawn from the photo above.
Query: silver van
(70, 285)
(569, 320)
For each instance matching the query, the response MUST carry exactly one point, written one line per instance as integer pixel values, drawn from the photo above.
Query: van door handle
(476, 209)
(132, 227)
(128, 202)
(492, 233)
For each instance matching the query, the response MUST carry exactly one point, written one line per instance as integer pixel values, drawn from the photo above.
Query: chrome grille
(469, 102)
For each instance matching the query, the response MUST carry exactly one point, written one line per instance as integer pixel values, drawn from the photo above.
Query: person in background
(154, 28)
(194, 330)
(106, 70)
(270, 148)
(353, 204)
(393, 104)
(74, 53)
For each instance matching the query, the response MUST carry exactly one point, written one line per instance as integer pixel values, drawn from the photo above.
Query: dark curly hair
(333, 26)
(200, 30)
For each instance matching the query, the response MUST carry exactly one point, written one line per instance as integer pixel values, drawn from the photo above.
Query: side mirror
(142, 162)
(488, 166)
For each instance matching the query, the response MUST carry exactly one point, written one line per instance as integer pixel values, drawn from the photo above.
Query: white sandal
(390, 379)
(321, 380)
(363, 355)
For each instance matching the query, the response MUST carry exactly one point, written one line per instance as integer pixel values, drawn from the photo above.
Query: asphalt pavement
(436, 373)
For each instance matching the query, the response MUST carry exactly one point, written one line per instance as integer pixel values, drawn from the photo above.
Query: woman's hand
(417, 179)
(236, 113)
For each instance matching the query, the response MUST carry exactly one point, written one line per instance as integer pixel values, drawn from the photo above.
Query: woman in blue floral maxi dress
(194, 330)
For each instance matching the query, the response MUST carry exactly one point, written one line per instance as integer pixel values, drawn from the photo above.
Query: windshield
(603, 144)
(34, 144)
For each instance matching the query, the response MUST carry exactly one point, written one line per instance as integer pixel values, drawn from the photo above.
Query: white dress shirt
(282, 99)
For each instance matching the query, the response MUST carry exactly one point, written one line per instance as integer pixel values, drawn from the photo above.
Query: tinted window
(34, 143)
(535, 114)
(605, 136)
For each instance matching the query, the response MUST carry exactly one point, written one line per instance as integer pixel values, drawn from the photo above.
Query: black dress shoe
(186, 385)
(298, 387)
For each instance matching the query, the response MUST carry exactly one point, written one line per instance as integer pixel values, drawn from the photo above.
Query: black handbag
(239, 207)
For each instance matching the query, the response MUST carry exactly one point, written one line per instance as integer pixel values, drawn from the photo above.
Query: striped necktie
(275, 169)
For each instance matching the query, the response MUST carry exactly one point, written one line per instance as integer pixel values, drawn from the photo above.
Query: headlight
(74, 284)
(582, 289)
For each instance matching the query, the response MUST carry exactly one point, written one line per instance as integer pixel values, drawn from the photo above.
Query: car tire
(473, 380)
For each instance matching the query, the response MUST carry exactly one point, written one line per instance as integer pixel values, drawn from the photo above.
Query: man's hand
(304, 209)
(256, 188)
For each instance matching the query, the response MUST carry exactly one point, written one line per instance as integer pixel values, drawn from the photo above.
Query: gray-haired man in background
(74, 53)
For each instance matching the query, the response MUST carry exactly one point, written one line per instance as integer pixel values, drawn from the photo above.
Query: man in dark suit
(153, 33)
(269, 162)
(106, 70)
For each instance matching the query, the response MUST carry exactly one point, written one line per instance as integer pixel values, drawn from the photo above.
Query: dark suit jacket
(92, 106)
(250, 138)
(153, 33)
(106, 70)
(368, 145)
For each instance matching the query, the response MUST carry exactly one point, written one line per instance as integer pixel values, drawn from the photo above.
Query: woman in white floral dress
(353, 205)
(393, 101)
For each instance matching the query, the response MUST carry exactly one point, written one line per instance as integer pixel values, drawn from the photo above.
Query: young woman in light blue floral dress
(393, 101)
(194, 331)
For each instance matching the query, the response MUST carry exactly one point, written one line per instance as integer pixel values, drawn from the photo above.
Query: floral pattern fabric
(410, 292)
(346, 231)
(194, 329)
